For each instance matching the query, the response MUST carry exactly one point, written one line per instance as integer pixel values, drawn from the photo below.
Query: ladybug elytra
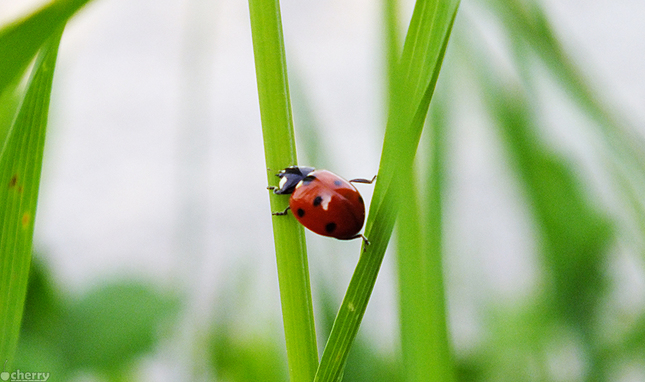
(323, 202)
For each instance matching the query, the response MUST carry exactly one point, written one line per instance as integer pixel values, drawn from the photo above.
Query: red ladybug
(323, 201)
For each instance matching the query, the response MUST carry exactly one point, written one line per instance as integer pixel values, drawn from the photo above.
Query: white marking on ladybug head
(283, 180)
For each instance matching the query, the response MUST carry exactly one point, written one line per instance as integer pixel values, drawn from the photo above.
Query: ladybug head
(290, 177)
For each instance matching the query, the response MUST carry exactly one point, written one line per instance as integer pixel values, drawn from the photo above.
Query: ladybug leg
(360, 180)
(367, 242)
(281, 213)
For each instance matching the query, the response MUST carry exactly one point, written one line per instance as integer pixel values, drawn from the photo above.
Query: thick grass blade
(414, 84)
(280, 152)
(20, 167)
(424, 332)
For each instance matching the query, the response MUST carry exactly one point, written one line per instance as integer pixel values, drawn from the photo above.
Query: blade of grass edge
(20, 167)
(280, 152)
(417, 74)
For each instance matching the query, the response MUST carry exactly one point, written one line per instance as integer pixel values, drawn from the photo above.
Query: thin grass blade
(414, 84)
(280, 152)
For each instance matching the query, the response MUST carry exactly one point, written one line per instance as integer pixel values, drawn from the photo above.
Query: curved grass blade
(531, 30)
(280, 152)
(20, 167)
(414, 84)
(20, 41)
(576, 236)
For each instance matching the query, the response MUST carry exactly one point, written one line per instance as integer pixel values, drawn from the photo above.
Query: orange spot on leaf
(26, 219)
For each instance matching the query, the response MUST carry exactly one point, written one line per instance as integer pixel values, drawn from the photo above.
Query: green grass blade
(280, 152)
(20, 166)
(424, 333)
(575, 236)
(10, 98)
(20, 41)
(392, 42)
(414, 84)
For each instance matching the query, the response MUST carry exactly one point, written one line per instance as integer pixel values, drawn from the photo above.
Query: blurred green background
(153, 249)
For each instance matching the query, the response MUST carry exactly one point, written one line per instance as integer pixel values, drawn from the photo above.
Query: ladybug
(323, 202)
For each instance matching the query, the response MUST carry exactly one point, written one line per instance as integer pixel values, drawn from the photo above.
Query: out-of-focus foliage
(103, 331)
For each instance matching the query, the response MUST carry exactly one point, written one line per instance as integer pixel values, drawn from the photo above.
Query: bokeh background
(154, 168)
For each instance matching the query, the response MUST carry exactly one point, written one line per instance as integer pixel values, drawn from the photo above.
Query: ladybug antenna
(366, 181)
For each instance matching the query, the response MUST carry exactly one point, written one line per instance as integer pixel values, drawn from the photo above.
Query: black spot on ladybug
(330, 227)
(337, 183)
(317, 201)
(300, 212)
(360, 199)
